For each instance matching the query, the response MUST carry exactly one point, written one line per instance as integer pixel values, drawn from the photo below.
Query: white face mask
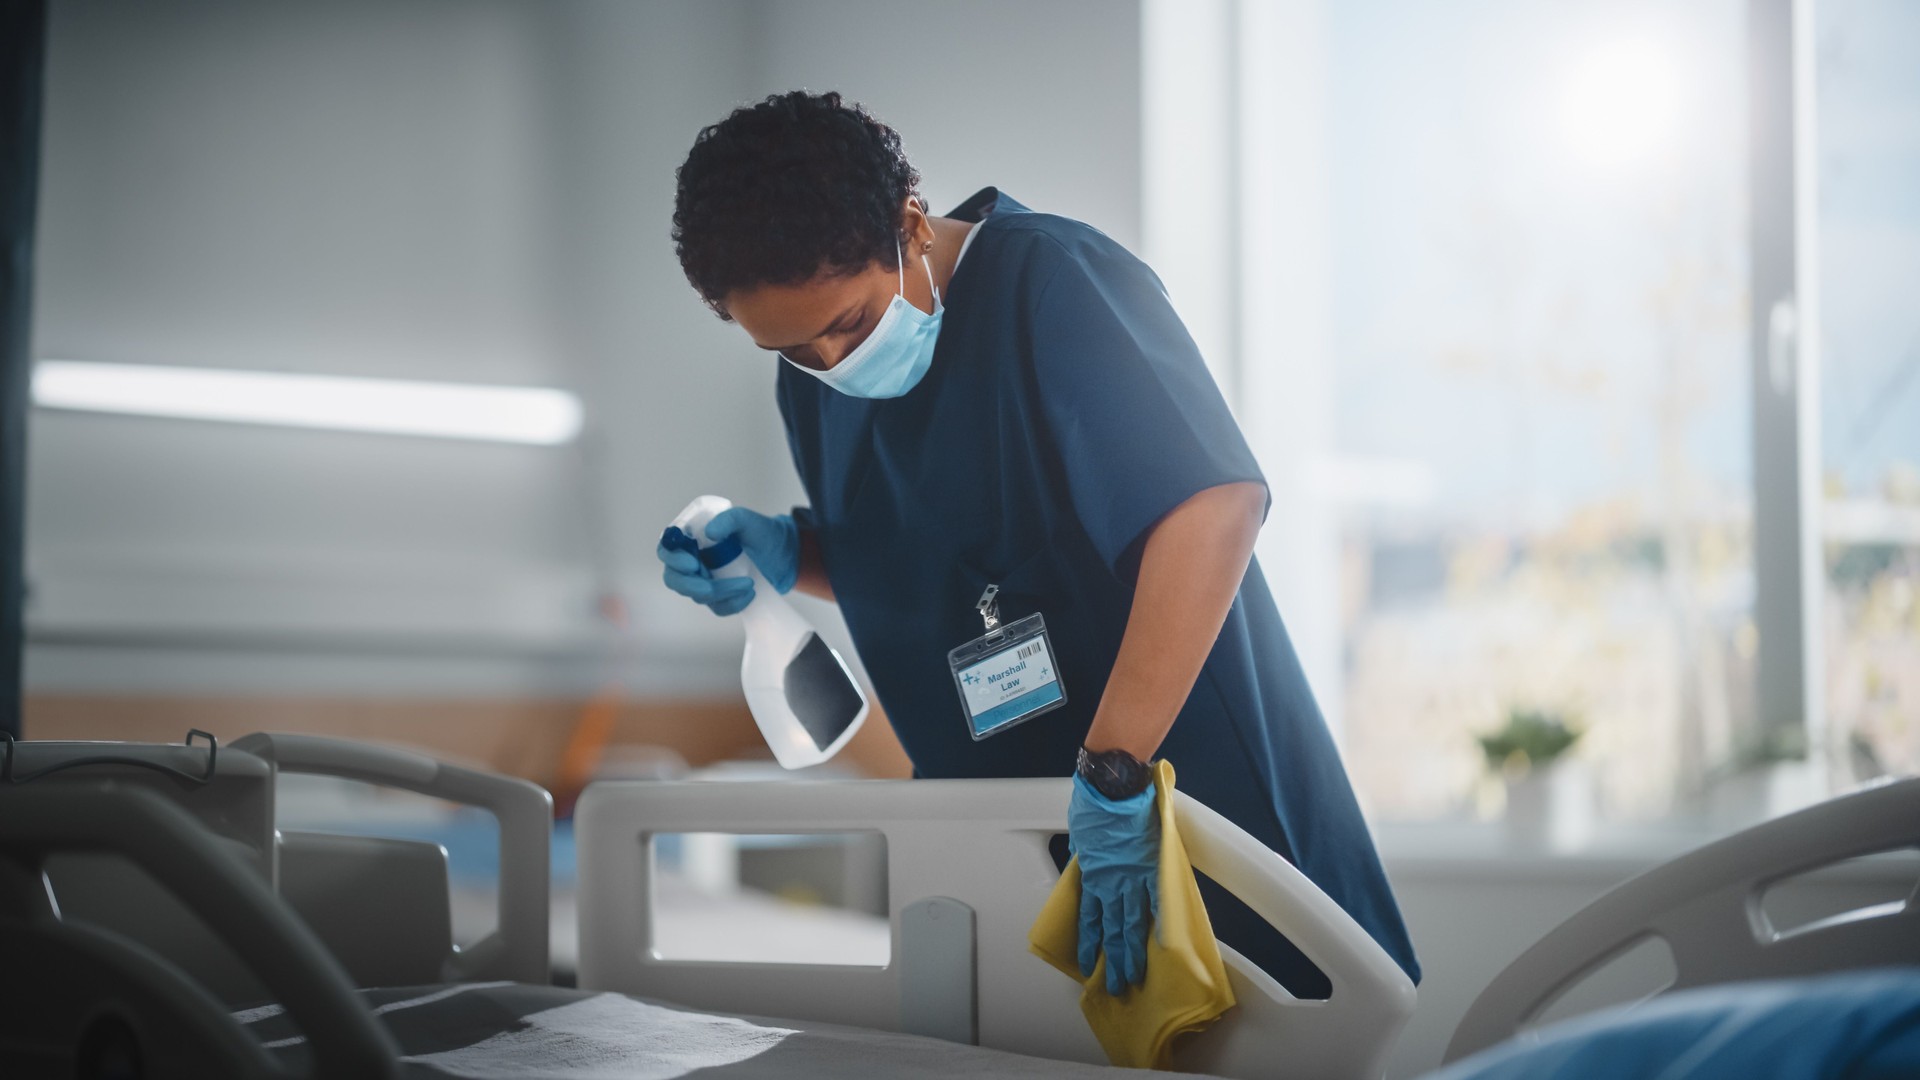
(894, 357)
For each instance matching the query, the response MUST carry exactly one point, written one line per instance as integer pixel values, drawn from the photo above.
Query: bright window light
(1373, 481)
(513, 414)
(1621, 102)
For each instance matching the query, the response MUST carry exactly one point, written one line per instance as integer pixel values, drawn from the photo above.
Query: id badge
(1007, 675)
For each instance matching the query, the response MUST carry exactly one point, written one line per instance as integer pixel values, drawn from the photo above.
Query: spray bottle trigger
(713, 556)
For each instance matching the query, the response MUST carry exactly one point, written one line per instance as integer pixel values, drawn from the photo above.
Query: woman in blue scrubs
(998, 397)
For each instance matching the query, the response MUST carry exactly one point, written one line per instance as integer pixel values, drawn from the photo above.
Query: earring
(928, 246)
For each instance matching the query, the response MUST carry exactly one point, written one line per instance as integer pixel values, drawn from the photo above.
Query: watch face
(1114, 773)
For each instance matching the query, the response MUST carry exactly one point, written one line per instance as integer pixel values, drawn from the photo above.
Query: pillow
(1855, 1025)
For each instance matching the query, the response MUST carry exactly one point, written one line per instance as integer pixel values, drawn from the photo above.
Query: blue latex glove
(1118, 843)
(773, 543)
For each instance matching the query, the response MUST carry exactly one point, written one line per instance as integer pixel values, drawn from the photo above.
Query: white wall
(1040, 98)
(469, 190)
(429, 190)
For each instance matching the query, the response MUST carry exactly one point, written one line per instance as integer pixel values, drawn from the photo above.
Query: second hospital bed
(967, 865)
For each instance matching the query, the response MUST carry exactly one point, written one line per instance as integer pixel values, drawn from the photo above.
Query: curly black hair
(786, 189)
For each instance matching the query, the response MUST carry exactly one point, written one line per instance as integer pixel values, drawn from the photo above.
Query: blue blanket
(1859, 1025)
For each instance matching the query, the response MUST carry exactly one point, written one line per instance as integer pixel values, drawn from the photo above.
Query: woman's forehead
(777, 316)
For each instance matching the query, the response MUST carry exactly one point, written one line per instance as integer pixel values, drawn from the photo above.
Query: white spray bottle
(800, 692)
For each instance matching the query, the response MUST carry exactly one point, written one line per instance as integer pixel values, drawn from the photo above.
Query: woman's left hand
(1118, 844)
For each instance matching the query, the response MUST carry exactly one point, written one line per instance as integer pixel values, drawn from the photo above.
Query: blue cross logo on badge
(969, 678)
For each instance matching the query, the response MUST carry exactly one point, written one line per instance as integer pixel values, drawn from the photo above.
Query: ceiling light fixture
(514, 414)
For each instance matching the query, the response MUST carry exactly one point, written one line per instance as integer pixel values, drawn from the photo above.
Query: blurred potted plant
(1549, 797)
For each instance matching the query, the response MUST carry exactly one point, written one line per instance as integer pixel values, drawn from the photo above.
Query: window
(1578, 346)
(1540, 446)
(1867, 97)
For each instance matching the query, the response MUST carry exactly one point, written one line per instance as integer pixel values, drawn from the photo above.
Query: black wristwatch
(1114, 773)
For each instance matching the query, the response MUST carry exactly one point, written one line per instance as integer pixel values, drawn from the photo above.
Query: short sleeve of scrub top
(1131, 407)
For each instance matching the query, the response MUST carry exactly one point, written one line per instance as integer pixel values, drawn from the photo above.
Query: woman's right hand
(773, 543)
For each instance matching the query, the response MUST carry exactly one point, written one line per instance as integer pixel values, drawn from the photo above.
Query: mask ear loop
(900, 253)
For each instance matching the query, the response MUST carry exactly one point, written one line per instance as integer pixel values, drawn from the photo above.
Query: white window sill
(1459, 850)
(1462, 849)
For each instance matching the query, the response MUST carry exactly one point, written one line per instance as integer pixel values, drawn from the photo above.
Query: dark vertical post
(23, 47)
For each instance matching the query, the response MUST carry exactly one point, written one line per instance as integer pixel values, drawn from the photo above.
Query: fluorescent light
(516, 414)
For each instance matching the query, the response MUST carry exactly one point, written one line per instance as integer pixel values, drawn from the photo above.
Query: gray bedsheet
(499, 1030)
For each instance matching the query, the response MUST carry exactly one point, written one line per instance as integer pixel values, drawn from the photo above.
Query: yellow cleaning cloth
(1186, 985)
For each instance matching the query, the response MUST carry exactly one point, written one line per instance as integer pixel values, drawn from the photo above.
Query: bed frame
(968, 869)
(75, 997)
(181, 897)
(1707, 907)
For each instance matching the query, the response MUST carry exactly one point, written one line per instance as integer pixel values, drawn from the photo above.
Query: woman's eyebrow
(837, 320)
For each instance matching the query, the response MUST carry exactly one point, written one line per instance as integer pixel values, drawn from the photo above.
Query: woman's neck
(948, 235)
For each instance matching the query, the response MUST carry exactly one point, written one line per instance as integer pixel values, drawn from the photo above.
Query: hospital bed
(1707, 907)
(97, 840)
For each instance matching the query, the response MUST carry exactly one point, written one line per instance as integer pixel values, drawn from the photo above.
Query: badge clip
(989, 607)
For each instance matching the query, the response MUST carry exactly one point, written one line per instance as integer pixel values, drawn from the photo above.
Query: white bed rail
(984, 844)
(1707, 906)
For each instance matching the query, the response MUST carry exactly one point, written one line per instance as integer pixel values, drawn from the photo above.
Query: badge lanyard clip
(989, 607)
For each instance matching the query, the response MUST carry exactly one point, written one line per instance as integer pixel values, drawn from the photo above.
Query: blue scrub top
(1065, 412)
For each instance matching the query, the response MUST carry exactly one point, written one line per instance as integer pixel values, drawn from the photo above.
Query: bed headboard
(1707, 907)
